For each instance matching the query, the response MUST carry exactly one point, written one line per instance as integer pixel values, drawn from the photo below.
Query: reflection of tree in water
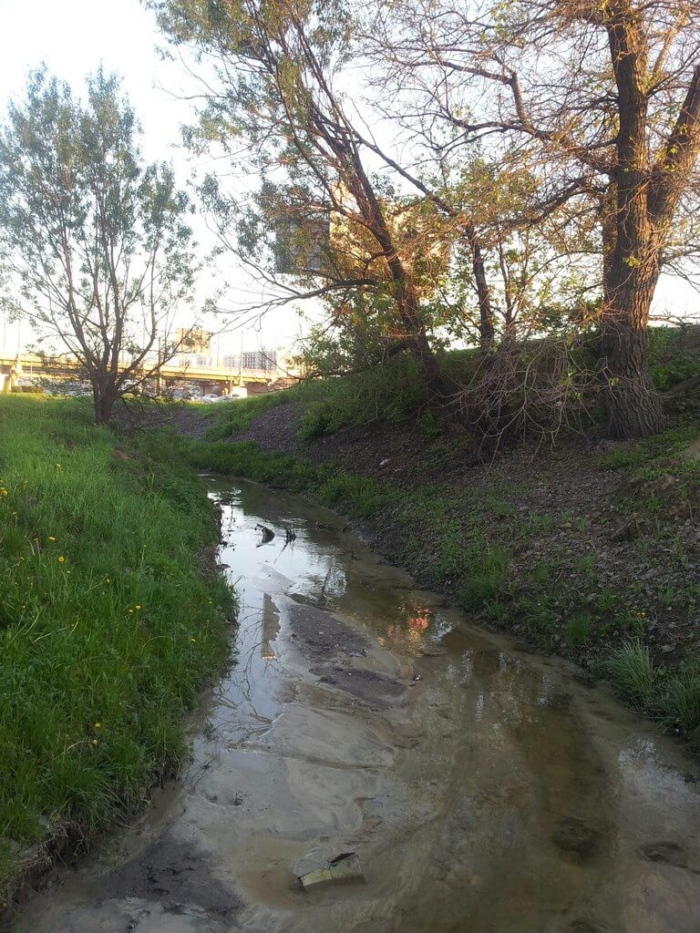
(326, 584)
(414, 623)
(270, 627)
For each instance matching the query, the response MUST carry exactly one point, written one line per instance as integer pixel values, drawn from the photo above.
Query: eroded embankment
(478, 787)
(590, 551)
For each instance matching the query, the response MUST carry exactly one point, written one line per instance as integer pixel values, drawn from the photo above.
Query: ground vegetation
(112, 618)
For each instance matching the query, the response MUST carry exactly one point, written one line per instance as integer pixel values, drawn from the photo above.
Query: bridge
(207, 377)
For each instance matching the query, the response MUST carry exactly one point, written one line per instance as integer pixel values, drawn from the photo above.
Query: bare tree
(96, 245)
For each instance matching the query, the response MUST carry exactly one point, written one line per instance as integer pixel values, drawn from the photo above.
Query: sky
(73, 37)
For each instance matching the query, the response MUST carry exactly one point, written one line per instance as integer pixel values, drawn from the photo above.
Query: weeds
(672, 697)
(631, 672)
(577, 629)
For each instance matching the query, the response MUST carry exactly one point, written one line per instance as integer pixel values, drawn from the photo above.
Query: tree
(276, 108)
(602, 102)
(95, 242)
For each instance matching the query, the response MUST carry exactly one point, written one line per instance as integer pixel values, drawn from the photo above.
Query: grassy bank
(589, 553)
(109, 626)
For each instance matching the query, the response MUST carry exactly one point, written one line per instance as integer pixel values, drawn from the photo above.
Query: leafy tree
(276, 107)
(95, 243)
(602, 102)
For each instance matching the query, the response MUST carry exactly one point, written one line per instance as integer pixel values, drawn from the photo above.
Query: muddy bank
(480, 789)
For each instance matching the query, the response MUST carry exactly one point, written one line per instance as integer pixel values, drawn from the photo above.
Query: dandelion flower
(137, 607)
(51, 538)
(95, 741)
(61, 559)
(98, 725)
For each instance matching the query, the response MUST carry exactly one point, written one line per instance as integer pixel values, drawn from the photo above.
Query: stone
(572, 835)
(344, 867)
(628, 531)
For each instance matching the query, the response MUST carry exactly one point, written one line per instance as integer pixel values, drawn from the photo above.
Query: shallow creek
(482, 789)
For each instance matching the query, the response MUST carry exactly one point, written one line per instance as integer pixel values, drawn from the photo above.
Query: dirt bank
(602, 537)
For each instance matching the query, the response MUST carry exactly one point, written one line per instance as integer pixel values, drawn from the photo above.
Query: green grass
(357, 496)
(392, 392)
(108, 627)
(670, 696)
(631, 671)
(230, 418)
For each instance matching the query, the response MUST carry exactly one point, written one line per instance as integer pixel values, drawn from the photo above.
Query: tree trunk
(103, 402)
(634, 406)
(440, 385)
(487, 331)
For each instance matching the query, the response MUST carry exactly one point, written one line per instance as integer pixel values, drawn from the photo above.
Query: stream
(481, 789)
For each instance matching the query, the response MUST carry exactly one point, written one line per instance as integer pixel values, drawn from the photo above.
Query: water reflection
(474, 790)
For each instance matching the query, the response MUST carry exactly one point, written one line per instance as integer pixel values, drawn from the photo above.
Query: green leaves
(95, 242)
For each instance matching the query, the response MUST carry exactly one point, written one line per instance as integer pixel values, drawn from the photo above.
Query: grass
(108, 626)
(236, 417)
(670, 696)
(631, 671)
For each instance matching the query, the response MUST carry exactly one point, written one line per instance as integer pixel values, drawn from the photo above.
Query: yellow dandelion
(4, 492)
(193, 639)
(98, 725)
(137, 607)
(61, 559)
(95, 741)
(51, 538)
(131, 611)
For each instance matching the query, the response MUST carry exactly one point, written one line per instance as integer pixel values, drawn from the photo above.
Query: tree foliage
(601, 103)
(485, 171)
(95, 243)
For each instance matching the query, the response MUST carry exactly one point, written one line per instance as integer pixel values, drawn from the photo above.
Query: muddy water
(483, 790)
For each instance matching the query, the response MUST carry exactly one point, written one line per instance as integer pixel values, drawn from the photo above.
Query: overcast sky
(73, 37)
